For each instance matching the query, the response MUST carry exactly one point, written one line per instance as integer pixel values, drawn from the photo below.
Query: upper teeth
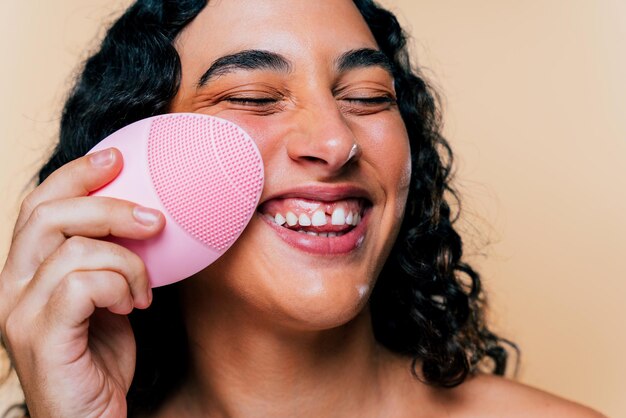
(304, 220)
(319, 218)
(279, 219)
(338, 217)
(292, 219)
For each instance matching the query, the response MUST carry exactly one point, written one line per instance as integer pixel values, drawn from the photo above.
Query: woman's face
(306, 81)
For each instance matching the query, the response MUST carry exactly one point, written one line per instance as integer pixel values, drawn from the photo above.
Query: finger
(48, 344)
(77, 296)
(52, 222)
(107, 289)
(85, 254)
(76, 178)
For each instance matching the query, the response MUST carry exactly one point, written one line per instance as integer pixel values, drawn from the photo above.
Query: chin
(322, 305)
(293, 296)
(265, 279)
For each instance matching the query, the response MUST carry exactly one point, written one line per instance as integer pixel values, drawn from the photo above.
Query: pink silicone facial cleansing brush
(204, 173)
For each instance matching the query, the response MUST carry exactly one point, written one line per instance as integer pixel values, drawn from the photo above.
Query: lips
(319, 220)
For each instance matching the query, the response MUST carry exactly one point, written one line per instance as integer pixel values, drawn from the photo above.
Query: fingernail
(102, 158)
(146, 216)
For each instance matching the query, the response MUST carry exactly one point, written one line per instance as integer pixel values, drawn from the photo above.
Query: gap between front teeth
(318, 219)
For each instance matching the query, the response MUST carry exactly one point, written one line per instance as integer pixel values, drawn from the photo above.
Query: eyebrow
(252, 59)
(364, 57)
(255, 59)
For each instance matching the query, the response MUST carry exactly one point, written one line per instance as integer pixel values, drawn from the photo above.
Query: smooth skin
(274, 331)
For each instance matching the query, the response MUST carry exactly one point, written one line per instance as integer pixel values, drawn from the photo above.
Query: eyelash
(377, 100)
(252, 101)
(265, 101)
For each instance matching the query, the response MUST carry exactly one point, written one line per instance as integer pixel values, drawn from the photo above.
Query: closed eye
(263, 105)
(366, 105)
(370, 100)
(252, 101)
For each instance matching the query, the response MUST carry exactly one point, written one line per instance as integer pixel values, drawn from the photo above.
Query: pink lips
(349, 239)
(322, 245)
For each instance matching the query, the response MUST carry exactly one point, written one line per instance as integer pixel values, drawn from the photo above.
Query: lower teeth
(321, 234)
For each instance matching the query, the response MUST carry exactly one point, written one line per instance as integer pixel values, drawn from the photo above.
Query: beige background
(534, 96)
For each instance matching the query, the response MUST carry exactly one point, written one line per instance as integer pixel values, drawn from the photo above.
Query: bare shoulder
(493, 396)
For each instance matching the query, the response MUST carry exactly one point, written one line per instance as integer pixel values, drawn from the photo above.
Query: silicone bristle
(208, 175)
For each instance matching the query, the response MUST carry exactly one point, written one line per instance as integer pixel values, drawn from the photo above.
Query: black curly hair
(427, 304)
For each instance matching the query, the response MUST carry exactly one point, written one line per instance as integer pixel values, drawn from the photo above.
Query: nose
(323, 140)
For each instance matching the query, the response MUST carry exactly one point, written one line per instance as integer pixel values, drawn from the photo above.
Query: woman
(382, 320)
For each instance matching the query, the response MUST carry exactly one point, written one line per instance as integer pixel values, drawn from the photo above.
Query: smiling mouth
(316, 218)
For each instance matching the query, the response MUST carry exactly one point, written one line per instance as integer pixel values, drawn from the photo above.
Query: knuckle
(112, 206)
(107, 213)
(28, 204)
(137, 265)
(135, 268)
(138, 276)
(75, 246)
(6, 297)
(14, 332)
(73, 284)
(40, 213)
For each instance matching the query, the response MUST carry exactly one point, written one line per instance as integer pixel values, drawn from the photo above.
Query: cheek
(404, 178)
(386, 146)
(257, 127)
(266, 131)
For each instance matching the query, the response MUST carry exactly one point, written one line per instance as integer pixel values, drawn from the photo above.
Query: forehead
(316, 28)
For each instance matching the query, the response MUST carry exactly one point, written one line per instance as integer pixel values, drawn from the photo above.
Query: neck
(242, 367)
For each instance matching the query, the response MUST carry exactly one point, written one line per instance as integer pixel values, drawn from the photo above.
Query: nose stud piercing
(353, 152)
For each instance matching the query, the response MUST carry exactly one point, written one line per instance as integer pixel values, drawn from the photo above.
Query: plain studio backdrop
(534, 107)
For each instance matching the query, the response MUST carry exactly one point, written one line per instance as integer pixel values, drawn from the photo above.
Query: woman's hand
(65, 294)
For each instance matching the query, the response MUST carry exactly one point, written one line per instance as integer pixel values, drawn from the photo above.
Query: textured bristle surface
(207, 173)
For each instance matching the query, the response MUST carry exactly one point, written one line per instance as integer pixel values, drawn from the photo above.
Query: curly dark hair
(427, 304)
